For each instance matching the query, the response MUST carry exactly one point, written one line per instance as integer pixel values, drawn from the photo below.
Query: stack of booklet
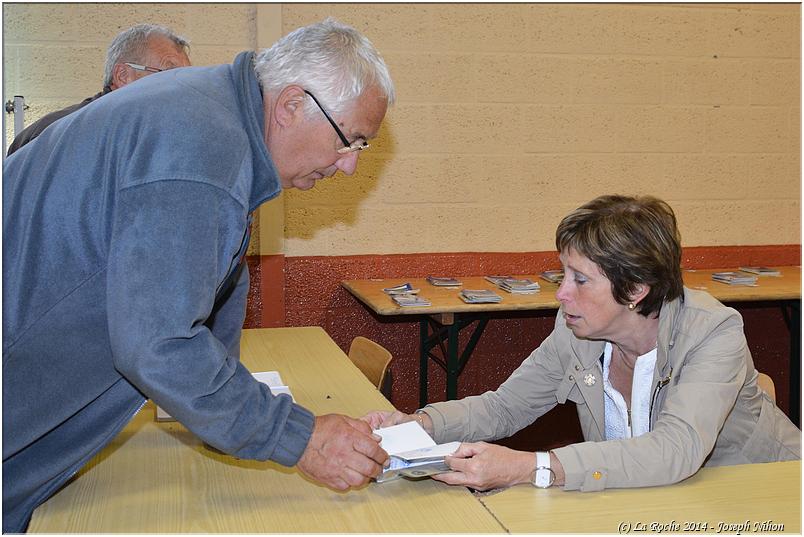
(443, 282)
(761, 271)
(524, 286)
(497, 279)
(410, 300)
(401, 289)
(405, 295)
(513, 285)
(553, 276)
(735, 278)
(413, 453)
(479, 296)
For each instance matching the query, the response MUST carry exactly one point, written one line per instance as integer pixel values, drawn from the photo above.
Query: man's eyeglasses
(348, 147)
(146, 68)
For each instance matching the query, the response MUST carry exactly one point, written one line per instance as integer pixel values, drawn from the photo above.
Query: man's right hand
(342, 453)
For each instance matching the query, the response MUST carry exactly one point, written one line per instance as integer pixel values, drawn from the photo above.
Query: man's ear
(289, 105)
(121, 75)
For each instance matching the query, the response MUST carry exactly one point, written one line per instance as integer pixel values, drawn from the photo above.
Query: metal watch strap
(544, 476)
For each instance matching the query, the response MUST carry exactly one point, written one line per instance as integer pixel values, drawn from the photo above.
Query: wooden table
(768, 494)
(159, 478)
(448, 315)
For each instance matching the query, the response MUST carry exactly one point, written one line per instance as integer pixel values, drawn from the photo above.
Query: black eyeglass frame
(348, 147)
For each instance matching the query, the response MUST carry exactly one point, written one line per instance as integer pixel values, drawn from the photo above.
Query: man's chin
(304, 183)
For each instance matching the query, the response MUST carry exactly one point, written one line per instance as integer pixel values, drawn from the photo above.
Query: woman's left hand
(484, 466)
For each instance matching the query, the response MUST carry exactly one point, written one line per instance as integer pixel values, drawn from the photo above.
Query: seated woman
(661, 375)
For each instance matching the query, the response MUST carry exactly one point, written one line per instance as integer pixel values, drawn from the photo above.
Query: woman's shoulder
(699, 302)
(700, 313)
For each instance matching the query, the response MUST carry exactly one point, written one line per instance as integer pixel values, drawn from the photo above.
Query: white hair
(130, 46)
(334, 62)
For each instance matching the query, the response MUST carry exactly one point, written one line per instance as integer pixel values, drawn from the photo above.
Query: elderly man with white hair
(134, 53)
(125, 226)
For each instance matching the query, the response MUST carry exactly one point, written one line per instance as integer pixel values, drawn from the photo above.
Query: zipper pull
(663, 382)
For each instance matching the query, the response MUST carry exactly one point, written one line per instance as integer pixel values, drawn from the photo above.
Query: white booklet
(269, 378)
(413, 453)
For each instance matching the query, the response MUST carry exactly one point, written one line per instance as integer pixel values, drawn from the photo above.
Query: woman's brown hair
(634, 240)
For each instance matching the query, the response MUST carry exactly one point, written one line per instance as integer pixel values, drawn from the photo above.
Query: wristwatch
(544, 476)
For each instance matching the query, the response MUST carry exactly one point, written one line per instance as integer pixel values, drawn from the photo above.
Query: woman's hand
(485, 466)
(382, 418)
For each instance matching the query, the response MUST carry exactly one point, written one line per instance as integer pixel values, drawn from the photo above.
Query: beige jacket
(707, 409)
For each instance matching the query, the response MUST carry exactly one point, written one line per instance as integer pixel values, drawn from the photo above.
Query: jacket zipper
(659, 385)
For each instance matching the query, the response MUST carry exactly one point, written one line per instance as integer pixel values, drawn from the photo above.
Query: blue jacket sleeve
(172, 245)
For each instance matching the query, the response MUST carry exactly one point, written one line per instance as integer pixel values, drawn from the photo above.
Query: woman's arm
(526, 395)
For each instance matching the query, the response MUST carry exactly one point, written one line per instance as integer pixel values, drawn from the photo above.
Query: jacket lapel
(587, 371)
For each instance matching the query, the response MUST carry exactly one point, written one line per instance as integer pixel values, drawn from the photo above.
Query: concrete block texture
(508, 116)
(511, 115)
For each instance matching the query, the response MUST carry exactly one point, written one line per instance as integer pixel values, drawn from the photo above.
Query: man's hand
(485, 466)
(342, 453)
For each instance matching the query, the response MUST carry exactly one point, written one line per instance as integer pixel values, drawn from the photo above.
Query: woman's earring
(631, 306)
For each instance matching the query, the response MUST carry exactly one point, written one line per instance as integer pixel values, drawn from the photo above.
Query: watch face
(544, 478)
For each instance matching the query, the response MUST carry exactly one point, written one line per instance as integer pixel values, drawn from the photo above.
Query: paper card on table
(270, 378)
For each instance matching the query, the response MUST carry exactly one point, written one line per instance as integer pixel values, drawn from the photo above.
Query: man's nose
(348, 163)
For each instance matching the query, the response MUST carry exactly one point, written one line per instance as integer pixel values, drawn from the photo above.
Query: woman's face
(590, 310)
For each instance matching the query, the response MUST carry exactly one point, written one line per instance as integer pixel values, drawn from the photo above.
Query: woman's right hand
(382, 418)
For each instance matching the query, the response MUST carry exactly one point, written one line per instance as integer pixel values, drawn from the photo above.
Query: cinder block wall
(509, 116)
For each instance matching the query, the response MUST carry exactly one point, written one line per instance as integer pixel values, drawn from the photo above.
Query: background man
(124, 235)
(137, 52)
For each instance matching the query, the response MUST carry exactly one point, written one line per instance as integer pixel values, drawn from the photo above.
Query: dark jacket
(123, 279)
(35, 129)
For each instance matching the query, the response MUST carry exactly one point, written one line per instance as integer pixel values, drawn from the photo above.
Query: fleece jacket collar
(250, 102)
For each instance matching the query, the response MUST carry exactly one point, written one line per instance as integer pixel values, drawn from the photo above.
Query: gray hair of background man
(334, 62)
(130, 46)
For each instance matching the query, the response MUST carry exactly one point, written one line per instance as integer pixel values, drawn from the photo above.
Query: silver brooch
(589, 379)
